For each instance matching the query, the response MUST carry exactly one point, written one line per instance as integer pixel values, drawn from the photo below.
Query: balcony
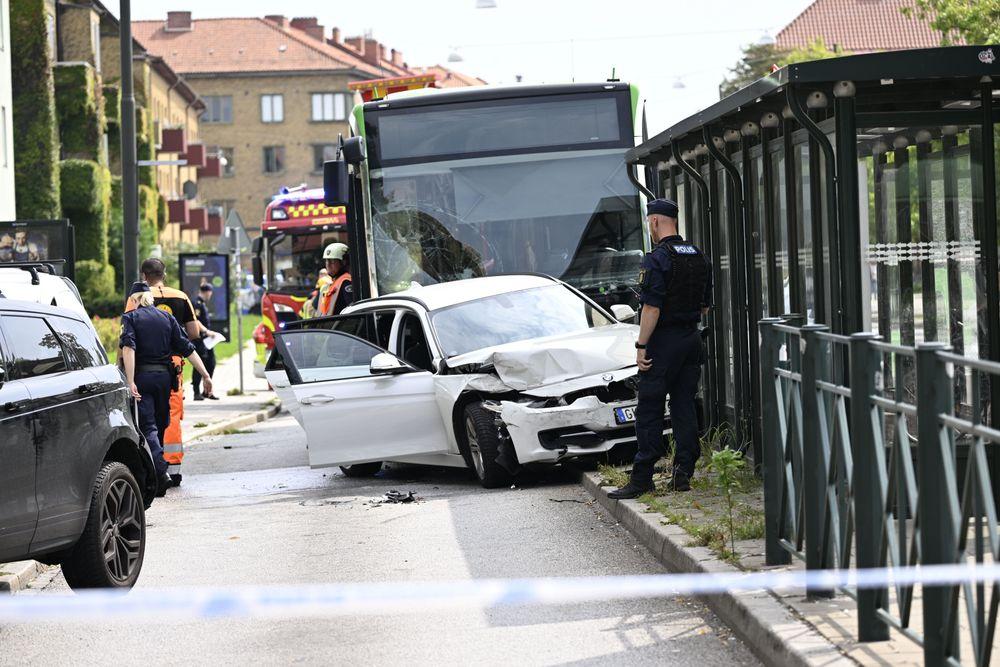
(212, 168)
(214, 223)
(197, 220)
(177, 211)
(173, 140)
(195, 155)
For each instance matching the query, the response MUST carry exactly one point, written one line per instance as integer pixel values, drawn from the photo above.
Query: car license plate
(625, 415)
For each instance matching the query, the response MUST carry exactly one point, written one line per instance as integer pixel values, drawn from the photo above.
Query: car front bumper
(552, 434)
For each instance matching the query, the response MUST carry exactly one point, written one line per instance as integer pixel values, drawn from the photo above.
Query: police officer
(149, 337)
(675, 290)
(339, 292)
(207, 354)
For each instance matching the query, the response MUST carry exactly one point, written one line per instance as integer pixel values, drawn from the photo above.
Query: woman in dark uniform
(149, 337)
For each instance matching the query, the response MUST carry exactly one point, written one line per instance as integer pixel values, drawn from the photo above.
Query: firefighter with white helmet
(338, 293)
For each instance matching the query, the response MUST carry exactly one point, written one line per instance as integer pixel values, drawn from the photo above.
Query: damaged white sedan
(491, 373)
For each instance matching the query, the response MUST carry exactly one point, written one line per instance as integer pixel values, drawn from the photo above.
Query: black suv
(75, 475)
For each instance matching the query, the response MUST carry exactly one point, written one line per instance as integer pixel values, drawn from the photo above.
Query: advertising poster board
(212, 268)
(27, 241)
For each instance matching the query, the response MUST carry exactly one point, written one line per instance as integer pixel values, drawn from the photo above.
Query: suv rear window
(35, 347)
(80, 342)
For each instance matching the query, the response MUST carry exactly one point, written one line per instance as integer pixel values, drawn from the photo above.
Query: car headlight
(279, 214)
(282, 308)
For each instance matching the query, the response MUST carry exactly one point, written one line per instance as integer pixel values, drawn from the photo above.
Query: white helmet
(336, 251)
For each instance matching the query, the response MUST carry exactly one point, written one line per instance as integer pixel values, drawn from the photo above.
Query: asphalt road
(250, 511)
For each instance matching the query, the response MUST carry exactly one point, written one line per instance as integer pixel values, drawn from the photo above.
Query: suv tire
(362, 469)
(483, 443)
(117, 518)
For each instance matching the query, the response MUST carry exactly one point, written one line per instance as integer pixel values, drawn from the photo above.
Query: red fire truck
(288, 255)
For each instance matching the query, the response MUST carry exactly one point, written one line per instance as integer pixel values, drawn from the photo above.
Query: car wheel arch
(127, 451)
(458, 417)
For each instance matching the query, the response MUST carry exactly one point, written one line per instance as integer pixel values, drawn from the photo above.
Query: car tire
(483, 443)
(362, 469)
(117, 519)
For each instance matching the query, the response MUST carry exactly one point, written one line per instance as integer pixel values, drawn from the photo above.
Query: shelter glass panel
(760, 249)
(780, 222)
(724, 276)
(804, 223)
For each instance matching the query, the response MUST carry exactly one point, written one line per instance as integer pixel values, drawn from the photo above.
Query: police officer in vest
(149, 337)
(675, 291)
(339, 292)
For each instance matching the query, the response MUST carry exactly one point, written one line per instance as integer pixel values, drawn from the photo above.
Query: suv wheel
(362, 469)
(483, 442)
(109, 552)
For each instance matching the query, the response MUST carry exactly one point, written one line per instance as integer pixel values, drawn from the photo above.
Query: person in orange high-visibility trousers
(339, 292)
(173, 302)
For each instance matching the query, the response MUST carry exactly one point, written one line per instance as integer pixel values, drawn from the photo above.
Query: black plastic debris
(395, 496)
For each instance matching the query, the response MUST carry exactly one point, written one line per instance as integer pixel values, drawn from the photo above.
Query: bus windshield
(570, 214)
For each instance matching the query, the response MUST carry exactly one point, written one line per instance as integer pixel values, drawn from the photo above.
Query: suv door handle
(15, 406)
(86, 388)
(317, 400)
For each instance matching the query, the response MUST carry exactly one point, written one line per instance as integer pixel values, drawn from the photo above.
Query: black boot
(163, 483)
(680, 481)
(630, 490)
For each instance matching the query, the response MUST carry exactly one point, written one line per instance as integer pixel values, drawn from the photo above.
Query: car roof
(442, 295)
(16, 306)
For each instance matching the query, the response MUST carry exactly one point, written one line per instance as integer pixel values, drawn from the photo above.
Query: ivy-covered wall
(36, 143)
(80, 109)
(145, 147)
(86, 201)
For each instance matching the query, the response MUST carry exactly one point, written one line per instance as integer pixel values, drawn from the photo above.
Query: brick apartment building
(276, 92)
(858, 26)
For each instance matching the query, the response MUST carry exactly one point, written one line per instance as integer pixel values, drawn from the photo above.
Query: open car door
(357, 402)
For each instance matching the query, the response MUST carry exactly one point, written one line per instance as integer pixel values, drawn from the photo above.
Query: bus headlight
(279, 214)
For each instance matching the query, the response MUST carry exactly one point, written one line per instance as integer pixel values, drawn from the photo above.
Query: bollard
(773, 468)
(870, 476)
(815, 452)
(937, 500)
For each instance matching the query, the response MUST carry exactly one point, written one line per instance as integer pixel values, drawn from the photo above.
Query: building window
(272, 108)
(229, 166)
(328, 107)
(95, 33)
(274, 159)
(50, 29)
(323, 153)
(218, 109)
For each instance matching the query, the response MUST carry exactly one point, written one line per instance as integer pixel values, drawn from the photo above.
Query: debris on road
(394, 497)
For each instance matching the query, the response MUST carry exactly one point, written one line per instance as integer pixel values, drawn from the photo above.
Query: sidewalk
(781, 626)
(207, 417)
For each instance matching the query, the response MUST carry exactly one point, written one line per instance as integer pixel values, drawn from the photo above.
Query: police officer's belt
(164, 367)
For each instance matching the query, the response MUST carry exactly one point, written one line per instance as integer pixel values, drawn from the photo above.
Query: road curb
(249, 419)
(769, 628)
(15, 577)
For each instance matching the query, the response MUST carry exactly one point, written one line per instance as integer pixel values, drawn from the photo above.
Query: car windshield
(513, 316)
(570, 214)
(296, 259)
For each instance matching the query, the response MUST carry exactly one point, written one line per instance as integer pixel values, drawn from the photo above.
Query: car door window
(412, 346)
(35, 347)
(82, 346)
(318, 355)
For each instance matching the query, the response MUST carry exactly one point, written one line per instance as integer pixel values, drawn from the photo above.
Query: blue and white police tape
(315, 600)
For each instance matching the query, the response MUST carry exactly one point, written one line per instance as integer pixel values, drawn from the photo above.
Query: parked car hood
(539, 362)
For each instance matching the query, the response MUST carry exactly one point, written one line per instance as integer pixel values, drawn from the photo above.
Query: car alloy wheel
(121, 530)
(475, 451)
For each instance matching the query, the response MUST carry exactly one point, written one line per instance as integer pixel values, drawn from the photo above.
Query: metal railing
(863, 445)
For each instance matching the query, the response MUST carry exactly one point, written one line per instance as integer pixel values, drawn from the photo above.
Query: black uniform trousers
(676, 352)
(208, 358)
(154, 412)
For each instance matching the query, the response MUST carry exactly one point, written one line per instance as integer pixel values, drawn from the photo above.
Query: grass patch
(235, 431)
(200, 425)
(235, 391)
(612, 476)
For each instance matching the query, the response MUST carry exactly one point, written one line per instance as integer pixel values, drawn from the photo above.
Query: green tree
(971, 21)
(758, 59)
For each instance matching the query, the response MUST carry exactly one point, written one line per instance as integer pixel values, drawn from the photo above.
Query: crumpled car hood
(538, 362)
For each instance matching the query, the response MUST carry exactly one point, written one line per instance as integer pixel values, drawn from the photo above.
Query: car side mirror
(386, 364)
(352, 151)
(257, 263)
(623, 312)
(336, 183)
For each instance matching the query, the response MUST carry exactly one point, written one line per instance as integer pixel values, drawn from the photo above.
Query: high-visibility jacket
(328, 293)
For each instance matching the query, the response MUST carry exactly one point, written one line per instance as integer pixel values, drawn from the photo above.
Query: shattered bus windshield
(571, 214)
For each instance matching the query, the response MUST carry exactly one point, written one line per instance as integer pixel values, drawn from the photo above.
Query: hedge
(112, 103)
(149, 235)
(36, 152)
(95, 280)
(162, 214)
(86, 201)
(144, 146)
(80, 108)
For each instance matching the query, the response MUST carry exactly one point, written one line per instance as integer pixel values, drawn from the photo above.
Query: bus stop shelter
(858, 192)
